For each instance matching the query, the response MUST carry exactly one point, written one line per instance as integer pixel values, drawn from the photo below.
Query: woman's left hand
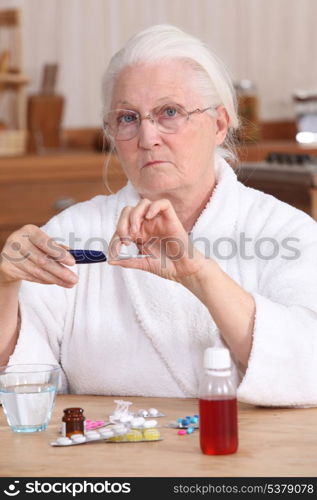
(158, 233)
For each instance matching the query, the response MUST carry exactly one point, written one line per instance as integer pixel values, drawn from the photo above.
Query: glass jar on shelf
(248, 111)
(305, 104)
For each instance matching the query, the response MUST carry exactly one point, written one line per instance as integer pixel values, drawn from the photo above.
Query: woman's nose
(149, 134)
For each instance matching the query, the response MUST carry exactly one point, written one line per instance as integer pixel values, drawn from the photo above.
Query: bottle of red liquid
(218, 416)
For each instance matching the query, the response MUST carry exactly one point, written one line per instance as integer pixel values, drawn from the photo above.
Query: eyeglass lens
(124, 124)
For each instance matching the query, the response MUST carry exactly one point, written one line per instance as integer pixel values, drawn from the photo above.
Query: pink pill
(181, 432)
(91, 425)
(94, 424)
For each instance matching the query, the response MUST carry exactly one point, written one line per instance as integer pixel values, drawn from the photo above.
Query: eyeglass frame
(149, 116)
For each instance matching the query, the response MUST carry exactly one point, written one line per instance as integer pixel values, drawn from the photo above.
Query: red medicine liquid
(218, 427)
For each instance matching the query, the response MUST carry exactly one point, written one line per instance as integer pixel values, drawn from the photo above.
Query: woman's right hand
(30, 254)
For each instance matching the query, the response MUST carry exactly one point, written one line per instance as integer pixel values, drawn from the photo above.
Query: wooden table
(273, 443)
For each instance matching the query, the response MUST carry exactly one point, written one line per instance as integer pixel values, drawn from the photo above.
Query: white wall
(272, 42)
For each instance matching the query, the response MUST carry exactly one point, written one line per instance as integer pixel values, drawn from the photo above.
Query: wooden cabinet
(293, 184)
(35, 188)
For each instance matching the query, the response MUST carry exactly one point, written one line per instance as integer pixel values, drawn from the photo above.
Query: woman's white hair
(166, 42)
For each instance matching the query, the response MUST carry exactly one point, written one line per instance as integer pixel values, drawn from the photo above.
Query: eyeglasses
(124, 124)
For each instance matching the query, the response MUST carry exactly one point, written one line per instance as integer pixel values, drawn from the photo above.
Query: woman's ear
(222, 124)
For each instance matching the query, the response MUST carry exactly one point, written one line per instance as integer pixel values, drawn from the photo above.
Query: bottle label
(63, 431)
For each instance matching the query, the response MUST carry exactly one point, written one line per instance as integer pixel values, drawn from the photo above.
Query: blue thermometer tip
(88, 256)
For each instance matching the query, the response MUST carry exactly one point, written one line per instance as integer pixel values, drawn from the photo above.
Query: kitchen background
(271, 42)
(51, 67)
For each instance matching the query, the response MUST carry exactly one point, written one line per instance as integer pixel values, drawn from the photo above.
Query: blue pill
(190, 430)
(179, 420)
(88, 256)
(185, 421)
(193, 420)
(197, 416)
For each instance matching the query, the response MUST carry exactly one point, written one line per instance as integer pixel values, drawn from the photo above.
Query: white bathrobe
(127, 332)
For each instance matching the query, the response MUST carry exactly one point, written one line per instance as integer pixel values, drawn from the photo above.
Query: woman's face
(159, 163)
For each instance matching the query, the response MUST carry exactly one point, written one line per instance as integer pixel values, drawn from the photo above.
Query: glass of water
(27, 393)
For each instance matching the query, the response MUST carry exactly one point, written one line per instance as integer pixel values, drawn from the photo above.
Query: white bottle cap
(217, 358)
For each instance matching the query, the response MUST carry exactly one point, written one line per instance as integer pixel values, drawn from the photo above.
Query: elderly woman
(240, 267)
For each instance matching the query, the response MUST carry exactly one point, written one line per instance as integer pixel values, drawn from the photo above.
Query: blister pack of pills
(150, 413)
(138, 430)
(123, 426)
(123, 414)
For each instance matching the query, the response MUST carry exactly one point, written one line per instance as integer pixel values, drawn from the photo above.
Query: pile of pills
(188, 421)
(189, 430)
(151, 412)
(123, 414)
(185, 425)
(123, 426)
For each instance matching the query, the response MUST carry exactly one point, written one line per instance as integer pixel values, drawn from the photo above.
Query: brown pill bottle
(73, 422)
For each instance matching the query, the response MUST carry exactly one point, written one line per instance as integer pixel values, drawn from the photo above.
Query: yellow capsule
(134, 435)
(151, 434)
(117, 439)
